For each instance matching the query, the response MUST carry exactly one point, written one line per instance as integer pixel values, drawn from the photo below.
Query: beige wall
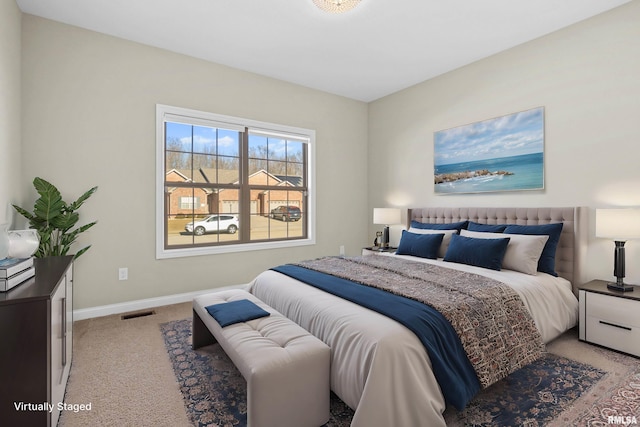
(89, 119)
(587, 78)
(10, 152)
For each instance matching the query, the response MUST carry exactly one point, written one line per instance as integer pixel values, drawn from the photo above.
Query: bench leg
(201, 336)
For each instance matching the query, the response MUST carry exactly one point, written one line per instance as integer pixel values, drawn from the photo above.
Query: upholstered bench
(286, 368)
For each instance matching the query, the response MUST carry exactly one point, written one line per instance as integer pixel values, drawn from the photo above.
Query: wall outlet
(341, 250)
(123, 273)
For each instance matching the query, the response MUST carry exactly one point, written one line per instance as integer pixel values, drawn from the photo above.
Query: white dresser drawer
(611, 321)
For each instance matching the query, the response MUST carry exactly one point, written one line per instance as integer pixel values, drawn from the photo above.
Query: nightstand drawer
(611, 321)
(612, 335)
(619, 311)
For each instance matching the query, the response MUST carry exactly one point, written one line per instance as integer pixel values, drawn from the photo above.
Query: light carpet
(121, 368)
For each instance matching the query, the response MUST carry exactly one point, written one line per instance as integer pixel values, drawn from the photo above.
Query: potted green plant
(54, 220)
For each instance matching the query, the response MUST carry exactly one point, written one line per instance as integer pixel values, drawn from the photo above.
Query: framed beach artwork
(501, 154)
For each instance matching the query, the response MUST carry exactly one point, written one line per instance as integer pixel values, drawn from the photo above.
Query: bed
(379, 367)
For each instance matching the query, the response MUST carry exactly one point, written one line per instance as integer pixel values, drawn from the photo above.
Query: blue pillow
(430, 226)
(547, 261)
(421, 245)
(486, 228)
(228, 313)
(485, 253)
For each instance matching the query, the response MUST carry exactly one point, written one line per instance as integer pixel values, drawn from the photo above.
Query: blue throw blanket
(451, 367)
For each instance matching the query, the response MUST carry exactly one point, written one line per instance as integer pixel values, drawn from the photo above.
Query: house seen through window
(228, 184)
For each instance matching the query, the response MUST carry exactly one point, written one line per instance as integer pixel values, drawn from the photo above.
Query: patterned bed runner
(497, 332)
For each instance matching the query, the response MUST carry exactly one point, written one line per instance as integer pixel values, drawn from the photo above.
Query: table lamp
(620, 225)
(386, 217)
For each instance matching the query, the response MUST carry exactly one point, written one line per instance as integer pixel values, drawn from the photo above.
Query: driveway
(261, 228)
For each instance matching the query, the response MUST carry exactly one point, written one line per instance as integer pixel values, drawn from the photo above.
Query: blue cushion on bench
(232, 312)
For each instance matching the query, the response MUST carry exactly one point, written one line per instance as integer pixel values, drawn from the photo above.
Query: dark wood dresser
(36, 338)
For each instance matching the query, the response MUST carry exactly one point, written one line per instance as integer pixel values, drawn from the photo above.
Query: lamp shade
(386, 216)
(618, 224)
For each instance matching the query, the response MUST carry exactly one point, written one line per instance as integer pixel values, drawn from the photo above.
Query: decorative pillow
(430, 226)
(421, 245)
(547, 262)
(523, 252)
(485, 253)
(490, 228)
(445, 240)
(242, 310)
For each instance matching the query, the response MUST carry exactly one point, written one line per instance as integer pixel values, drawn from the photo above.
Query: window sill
(162, 253)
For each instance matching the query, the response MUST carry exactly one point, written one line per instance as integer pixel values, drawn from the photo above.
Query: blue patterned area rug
(532, 396)
(215, 393)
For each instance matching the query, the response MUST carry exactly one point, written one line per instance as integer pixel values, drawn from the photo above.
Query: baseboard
(125, 307)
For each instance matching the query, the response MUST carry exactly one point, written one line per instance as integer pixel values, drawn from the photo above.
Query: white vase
(23, 243)
(4, 241)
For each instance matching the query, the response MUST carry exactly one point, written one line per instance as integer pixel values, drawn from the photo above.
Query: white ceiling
(378, 48)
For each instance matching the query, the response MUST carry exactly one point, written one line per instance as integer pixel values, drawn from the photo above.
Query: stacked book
(14, 271)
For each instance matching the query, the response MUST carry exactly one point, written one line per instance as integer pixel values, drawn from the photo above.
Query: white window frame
(189, 116)
(193, 201)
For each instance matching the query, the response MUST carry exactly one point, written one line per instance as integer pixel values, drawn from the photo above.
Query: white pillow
(445, 240)
(523, 251)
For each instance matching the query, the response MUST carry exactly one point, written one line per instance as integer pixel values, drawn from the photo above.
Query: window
(189, 202)
(227, 184)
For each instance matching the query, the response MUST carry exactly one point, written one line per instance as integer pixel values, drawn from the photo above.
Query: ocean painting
(501, 154)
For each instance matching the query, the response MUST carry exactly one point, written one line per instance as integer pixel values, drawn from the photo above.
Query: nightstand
(373, 250)
(609, 318)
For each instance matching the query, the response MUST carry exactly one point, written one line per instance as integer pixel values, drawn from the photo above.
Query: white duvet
(378, 367)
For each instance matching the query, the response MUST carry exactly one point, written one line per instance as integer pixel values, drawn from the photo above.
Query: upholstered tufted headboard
(571, 250)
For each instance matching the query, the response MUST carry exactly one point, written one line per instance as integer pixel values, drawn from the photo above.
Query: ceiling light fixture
(336, 6)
